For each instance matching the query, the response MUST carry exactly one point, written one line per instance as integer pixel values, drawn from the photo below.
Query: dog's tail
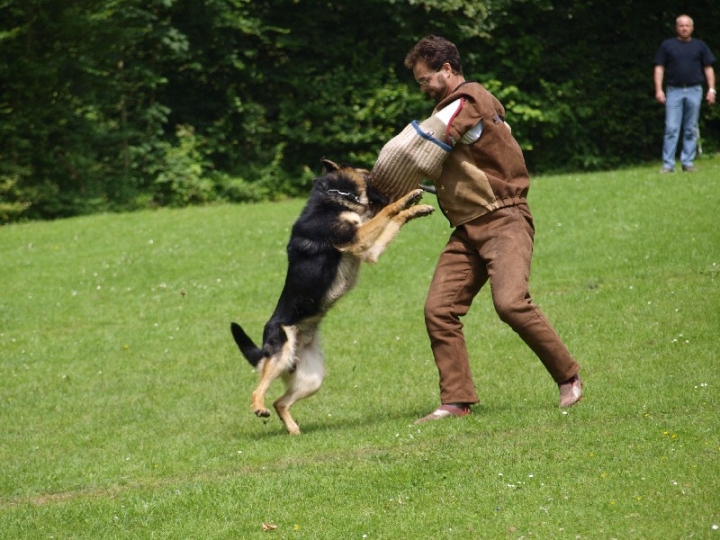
(247, 346)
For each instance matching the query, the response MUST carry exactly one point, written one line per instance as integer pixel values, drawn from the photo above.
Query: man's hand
(711, 96)
(658, 75)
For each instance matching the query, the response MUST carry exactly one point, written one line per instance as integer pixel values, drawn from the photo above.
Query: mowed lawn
(124, 403)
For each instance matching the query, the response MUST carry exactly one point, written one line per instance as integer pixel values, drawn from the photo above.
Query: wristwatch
(712, 90)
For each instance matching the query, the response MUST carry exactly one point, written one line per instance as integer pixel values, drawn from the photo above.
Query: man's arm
(658, 78)
(710, 78)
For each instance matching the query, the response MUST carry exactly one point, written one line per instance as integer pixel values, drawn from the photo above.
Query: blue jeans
(682, 110)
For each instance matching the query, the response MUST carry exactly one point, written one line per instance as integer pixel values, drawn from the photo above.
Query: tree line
(113, 105)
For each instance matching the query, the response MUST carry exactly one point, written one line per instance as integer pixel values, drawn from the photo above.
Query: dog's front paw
(413, 197)
(262, 413)
(419, 211)
(424, 210)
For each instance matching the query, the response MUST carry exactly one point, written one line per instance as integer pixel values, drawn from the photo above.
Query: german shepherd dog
(345, 222)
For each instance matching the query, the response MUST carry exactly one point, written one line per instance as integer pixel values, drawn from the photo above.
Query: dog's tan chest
(345, 278)
(353, 218)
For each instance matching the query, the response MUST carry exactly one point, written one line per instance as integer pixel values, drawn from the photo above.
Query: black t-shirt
(684, 61)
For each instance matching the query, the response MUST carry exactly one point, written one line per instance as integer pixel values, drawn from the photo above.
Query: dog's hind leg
(304, 382)
(273, 367)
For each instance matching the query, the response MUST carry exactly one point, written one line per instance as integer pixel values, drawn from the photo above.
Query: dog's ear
(330, 166)
(321, 183)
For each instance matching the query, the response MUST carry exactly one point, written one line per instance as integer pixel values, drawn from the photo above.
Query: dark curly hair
(434, 51)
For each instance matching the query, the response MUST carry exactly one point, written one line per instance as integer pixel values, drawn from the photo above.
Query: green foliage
(125, 402)
(181, 177)
(12, 201)
(94, 129)
(92, 93)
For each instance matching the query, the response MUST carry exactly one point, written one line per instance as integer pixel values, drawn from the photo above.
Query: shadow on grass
(374, 420)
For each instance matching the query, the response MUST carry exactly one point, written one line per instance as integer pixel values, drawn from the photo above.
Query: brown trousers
(497, 247)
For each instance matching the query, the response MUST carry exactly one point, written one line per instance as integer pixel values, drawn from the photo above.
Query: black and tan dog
(344, 223)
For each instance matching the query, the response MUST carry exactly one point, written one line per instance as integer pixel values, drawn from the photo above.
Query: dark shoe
(445, 411)
(570, 392)
(666, 171)
(689, 168)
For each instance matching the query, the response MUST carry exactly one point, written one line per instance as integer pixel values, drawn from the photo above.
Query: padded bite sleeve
(416, 153)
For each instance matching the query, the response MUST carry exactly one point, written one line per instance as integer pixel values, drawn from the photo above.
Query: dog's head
(351, 185)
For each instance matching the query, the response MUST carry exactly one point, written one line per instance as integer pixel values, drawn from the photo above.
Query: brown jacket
(484, 175)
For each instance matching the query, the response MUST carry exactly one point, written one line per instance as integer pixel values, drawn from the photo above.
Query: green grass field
(124, 403)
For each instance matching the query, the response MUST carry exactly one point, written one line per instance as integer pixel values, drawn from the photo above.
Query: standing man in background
(683, 62)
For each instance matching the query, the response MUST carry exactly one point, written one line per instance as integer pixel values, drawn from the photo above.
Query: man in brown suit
(482, 184)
